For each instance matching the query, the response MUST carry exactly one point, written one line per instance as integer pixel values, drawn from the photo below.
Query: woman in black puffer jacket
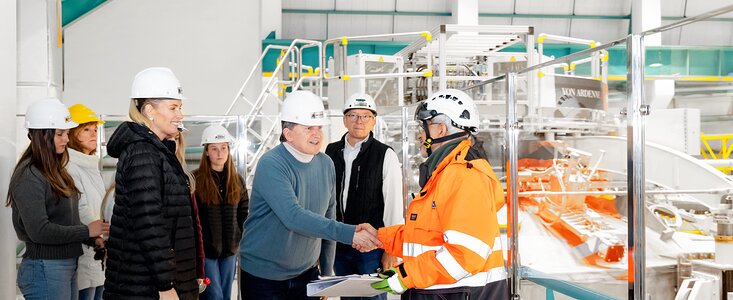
(151, 245)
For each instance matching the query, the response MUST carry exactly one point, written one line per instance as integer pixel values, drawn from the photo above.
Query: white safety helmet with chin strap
(304, 108)
(156, 82)
(361, 101)
(48, 113)
(216, 134)
(454, 104)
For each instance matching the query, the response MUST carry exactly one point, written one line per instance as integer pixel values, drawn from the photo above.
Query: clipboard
(344, 286)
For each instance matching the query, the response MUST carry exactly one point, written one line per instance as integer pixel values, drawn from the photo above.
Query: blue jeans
(221, 273)
(350, 261)
(256, 288)
(48, 279)
(92, 293)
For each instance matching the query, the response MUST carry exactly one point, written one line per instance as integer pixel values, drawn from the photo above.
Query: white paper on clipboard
(344, 286)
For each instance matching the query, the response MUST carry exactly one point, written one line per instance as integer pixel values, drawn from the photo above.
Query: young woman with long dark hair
(45, 203)
(223, 204)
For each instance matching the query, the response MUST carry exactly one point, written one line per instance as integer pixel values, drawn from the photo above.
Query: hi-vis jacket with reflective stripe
(451, 235)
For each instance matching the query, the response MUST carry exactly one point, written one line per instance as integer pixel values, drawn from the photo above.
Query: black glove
(100, 251)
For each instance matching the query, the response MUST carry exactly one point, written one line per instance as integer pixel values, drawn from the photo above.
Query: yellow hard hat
(82, 114)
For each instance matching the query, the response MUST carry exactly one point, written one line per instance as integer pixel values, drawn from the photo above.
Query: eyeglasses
(354, 117)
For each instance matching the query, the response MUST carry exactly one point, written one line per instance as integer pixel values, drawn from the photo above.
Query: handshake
(365, 238)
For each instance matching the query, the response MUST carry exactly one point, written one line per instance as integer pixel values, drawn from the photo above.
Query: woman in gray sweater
(44, 200)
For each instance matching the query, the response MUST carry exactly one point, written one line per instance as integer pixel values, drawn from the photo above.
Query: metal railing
(288, 74)
(636, 111)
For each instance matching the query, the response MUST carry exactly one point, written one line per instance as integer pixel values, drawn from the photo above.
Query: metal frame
(636, 110)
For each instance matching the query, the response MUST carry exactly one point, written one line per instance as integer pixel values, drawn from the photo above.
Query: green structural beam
(486, 15)
(447, 14)
(660, 60)
(73, 9)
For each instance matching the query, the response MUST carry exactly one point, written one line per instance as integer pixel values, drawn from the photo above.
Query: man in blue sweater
(291, 228)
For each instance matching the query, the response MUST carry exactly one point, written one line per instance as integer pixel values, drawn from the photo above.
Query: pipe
(607, 192)
(728, 163)
(635, 164)
(512, 142)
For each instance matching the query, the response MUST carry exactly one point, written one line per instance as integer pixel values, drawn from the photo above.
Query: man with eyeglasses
(368, 186)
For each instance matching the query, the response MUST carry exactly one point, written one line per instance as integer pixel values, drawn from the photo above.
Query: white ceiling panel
(378, 5)
(304, 26)
(697, 7)
(610, 30)
(416, 23)
(496, 7)
(598, 8)
(670, 37)
(422, 5)
(549, 26)
(354, 25)
(494, 21)
(556, 7)
(673, 8)
(716, 34)
(310, 4)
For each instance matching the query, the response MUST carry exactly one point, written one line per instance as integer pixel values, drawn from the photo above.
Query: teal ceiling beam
(548, 16)
(448, 14)
(73, 9)
(711, 19)
(365, 12)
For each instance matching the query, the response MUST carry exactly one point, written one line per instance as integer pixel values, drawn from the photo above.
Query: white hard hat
(216, 134)
(304, 108)
(362, 101)
(156, 82)
(48, 113)
(455, 104)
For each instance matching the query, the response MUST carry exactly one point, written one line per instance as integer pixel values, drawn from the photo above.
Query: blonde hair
(136, 114)
(181, 155)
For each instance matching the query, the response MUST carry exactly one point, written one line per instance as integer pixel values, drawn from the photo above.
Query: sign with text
(571, 91)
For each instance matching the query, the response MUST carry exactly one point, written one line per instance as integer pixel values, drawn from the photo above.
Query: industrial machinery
(558, 140)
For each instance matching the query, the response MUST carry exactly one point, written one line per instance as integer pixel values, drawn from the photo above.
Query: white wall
(8, 80)
(210, 45)
(271, 18)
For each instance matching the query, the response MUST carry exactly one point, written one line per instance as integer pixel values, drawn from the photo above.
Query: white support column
(645, 15)
(464, 12)
(8, 95)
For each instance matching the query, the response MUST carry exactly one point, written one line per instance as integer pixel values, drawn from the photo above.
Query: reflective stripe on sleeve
(476, 245)
(413, 249)
(450, 264)
(395, 285)
(478, 279)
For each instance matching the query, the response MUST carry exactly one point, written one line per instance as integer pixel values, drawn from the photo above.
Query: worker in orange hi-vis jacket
(450, 243)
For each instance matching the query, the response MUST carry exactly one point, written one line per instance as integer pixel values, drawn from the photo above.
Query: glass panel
(571, 163)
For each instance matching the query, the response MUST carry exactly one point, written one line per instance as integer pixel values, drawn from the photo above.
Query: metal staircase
(261, 126)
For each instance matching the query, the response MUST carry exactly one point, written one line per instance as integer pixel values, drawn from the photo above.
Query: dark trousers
(256, 288)
(497, 290)
(350, 261)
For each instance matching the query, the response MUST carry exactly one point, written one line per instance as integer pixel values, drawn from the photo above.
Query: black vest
(365, 201)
